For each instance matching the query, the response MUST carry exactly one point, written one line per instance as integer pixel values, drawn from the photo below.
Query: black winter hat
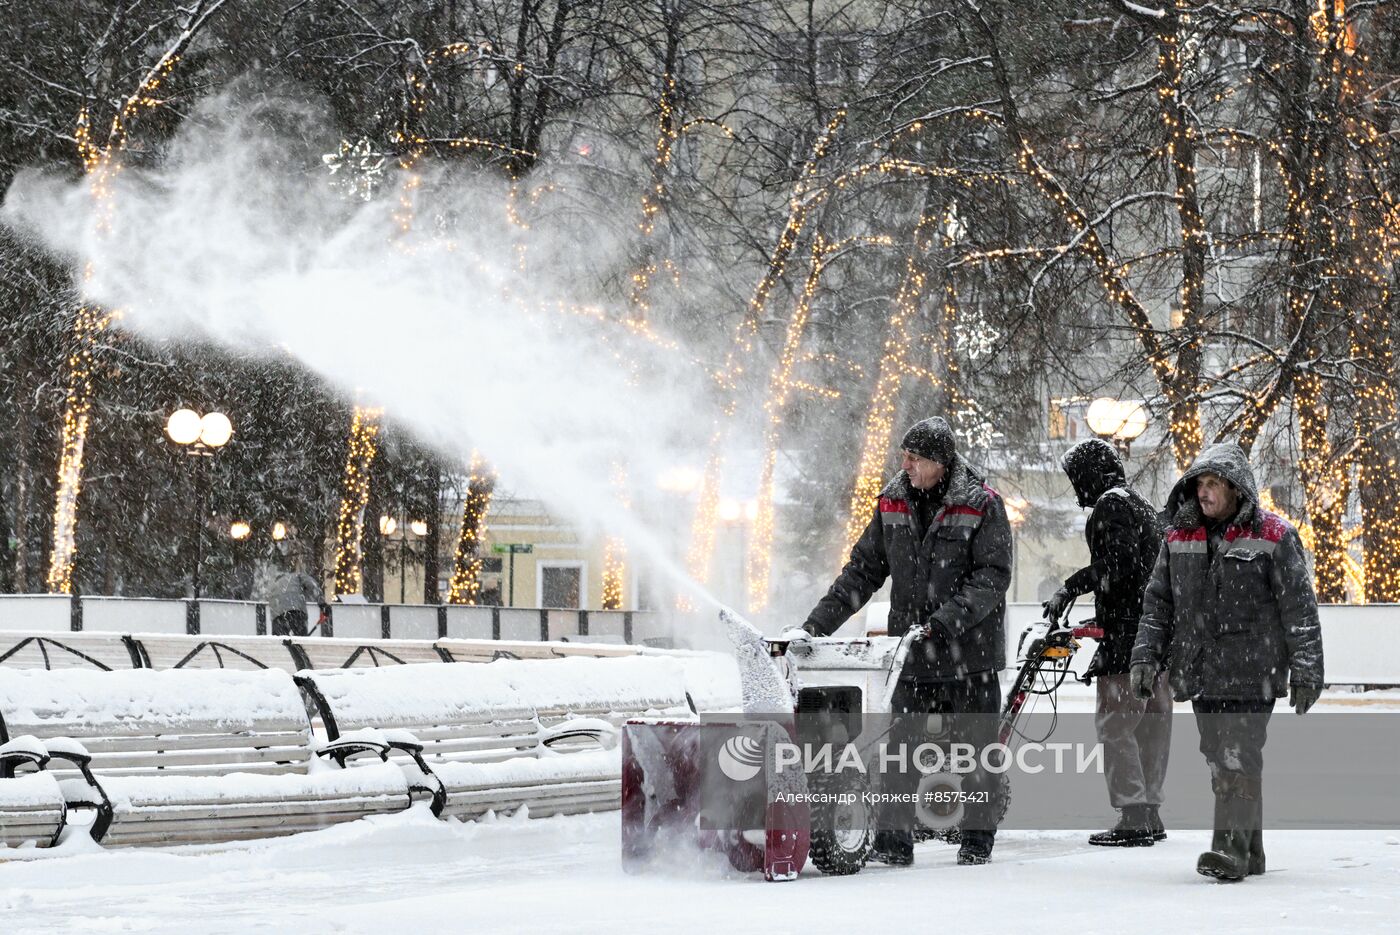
(932, 439)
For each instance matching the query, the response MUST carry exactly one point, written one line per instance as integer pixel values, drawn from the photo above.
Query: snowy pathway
(412, 873)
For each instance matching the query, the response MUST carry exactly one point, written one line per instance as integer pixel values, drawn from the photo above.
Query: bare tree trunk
(1180, 132)
(23, 502)
(432, 541)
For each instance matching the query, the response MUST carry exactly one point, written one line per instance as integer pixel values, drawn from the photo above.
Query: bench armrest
(25, 749)
(399, 739)
(601, 732)
(94, 796)
(347, 745)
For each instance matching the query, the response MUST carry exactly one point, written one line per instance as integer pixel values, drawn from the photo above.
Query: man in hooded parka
(1124, 537)
(1230, 610)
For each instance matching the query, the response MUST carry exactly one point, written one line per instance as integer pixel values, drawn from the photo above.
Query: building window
(1064, 419)
(561, 585)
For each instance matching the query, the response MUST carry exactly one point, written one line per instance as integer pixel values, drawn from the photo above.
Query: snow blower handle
(901, 654)
(1087, 632)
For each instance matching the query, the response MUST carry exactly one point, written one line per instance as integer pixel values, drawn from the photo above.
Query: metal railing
(76, 613)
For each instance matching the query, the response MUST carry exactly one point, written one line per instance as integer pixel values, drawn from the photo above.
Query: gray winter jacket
(291, 590)
(953, 575)
(1237, 618)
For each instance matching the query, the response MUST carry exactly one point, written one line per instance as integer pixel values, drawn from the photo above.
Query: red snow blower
(715, 784)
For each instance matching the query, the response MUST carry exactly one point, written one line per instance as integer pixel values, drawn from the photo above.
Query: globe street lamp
(199, 436)
(1117, 420)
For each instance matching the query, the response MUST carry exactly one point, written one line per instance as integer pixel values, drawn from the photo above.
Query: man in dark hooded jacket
(1124, 537)
(1231, 606)
(941, 535)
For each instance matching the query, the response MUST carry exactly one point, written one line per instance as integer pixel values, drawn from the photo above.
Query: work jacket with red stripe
(1235, 617)
(952, 575)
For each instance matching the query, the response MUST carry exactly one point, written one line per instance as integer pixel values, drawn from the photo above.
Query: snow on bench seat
(489, 650)
(537, 724)
(563, 784)
(53, 649)
(190, 755)
(334, 653)
(248, 653)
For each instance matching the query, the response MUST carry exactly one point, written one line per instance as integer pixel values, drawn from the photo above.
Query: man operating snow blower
(941, 534)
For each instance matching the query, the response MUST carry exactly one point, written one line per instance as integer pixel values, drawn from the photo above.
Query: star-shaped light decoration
(363, 168)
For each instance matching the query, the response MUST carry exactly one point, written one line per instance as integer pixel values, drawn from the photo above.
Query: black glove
(1142, 677)
(1056, 606)
(1302, 696)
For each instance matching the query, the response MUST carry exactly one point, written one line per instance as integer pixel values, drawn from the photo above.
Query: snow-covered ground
(413, 873)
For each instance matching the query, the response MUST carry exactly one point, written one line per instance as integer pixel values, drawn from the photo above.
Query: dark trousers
(1233, 732)
(1137, 737)
(289, 623)
(972, 706)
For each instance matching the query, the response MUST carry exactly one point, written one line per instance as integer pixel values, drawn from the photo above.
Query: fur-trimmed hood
(965, 487)
(1229, 461)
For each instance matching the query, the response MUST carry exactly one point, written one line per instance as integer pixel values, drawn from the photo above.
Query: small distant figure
(288, 593)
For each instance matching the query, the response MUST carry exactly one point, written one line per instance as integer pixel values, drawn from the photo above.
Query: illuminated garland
(77, 410)
(465, 587)
(615, 550)
(879, 418)
(702, 540)
(364, 427)
(780, 388)
(100, 165)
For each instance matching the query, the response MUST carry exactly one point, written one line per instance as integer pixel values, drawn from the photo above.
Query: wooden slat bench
(32, 810)
(59, 650)
(247, 653)
(334, 653)
(188, 756)
(490, 650)
(511, 733)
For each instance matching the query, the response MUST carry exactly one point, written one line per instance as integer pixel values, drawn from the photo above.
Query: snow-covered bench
(194, 755)
(490, 650)
(537, 733)
(54, 649)
(248, 653)
(32, 809)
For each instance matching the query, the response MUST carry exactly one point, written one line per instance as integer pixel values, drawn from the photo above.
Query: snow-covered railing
(61, 613)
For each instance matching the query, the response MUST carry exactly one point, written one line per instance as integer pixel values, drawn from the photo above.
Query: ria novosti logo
(741, 757)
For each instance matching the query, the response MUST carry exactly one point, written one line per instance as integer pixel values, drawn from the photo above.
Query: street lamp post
(388, 525)
(1117, 420)
(199, 437)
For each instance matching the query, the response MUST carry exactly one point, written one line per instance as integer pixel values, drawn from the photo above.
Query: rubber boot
(895, 848)
(1228, 857)
(1256, 852)
(976, 848)
(1134, 829)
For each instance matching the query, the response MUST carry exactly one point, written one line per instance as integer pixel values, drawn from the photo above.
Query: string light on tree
(364, 429)
(465, 586)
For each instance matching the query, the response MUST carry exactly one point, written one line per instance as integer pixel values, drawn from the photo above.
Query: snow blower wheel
(843, 817)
